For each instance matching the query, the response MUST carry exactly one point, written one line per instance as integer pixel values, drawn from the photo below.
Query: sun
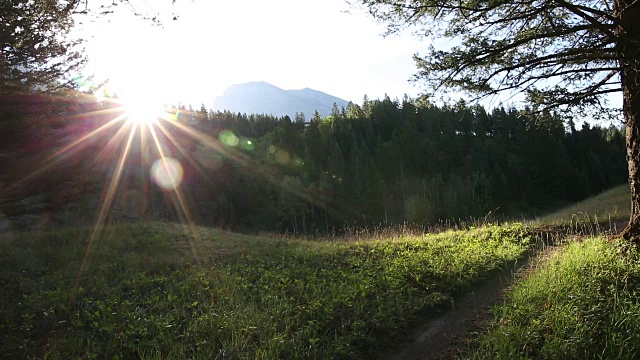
(139, 90)
(142, 106)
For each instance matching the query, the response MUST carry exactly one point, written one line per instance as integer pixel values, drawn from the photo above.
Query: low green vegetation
(581, 303)
(611, 205)
(152, 292)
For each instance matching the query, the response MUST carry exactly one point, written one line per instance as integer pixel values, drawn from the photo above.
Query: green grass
(611, 205)
(151, 292)
(583, 302)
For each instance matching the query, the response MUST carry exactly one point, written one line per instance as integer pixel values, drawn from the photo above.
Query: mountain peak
(260, 97)
(252, 85)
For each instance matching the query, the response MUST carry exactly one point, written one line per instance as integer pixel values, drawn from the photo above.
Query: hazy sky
(321, 44)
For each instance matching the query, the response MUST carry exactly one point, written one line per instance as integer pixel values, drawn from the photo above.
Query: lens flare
(167, 173)
(246, 144)
(229, 138)
(282, 157)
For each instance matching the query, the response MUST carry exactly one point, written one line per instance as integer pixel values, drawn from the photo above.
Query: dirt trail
(444, 335)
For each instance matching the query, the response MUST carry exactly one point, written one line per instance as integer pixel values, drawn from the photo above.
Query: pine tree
(591, 47)
(37, 54)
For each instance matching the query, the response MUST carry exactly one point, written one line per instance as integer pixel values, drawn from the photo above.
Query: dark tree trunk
(628, 14)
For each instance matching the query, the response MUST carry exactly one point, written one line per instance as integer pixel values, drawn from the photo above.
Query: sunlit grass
(611, 205)
(141, 295)
(140, 114)
(581, 303)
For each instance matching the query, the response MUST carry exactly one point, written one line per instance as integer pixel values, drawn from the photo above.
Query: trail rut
(445, 334)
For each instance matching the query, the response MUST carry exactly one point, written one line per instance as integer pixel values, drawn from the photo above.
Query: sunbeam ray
(118, 109)
(179, 197)
(115, 141)
(248, 163)
(106, 204)
(56, 157)
(185, 154)
(144, 154)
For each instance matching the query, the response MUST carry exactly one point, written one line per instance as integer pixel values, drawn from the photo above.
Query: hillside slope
(611, 205)
(163, 291)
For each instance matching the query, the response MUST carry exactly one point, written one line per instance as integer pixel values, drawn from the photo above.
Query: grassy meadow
(159, 291)
(580, 303)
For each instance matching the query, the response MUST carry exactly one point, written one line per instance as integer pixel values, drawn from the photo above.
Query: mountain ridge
(260, 97)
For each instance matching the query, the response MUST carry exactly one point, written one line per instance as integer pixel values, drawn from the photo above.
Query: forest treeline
(384, 162)
(389, 162)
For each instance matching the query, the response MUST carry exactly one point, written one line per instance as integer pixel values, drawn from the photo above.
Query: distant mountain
(264, 98)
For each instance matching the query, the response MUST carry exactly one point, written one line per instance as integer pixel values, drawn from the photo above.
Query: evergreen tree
(592, 47)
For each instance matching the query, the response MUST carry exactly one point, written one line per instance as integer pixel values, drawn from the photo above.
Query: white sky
(214, 44)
